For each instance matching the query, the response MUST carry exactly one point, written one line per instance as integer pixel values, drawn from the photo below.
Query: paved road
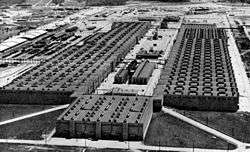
(133, 145)
(33, 114)
(128, 145)
(239, 72)
(241, 146)
(106, 144)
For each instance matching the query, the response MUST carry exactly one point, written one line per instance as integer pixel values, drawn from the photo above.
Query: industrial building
(78, 69)
(143, 73)
(16, 46)
(115, 111)
(198, 74)
(107, 117)
(135, 73)
(7, 31)
(116, 74)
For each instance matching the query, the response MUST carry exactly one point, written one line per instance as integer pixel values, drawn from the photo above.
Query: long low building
(11, 45)
(77, 69)
(198, 74)
(124, 118)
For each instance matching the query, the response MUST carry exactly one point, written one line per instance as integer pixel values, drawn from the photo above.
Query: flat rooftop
(104, 108)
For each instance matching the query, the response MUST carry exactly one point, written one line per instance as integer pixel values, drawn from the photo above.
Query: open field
(31, 128)
(10, 2)
(166, 130)
(28, 148)
(32, 2)
(13, 111)
(232, 124)
(115, 150)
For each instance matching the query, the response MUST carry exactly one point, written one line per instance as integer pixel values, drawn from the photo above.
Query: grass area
(28, 148)
(235, 125)
(166, 130)
(105, 2)
(118, 150)
(107, 150)
(13, 111)
(31, 128)
(179, 1)
(10, 2)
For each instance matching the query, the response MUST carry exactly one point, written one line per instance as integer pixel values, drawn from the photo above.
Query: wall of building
(35, 97)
